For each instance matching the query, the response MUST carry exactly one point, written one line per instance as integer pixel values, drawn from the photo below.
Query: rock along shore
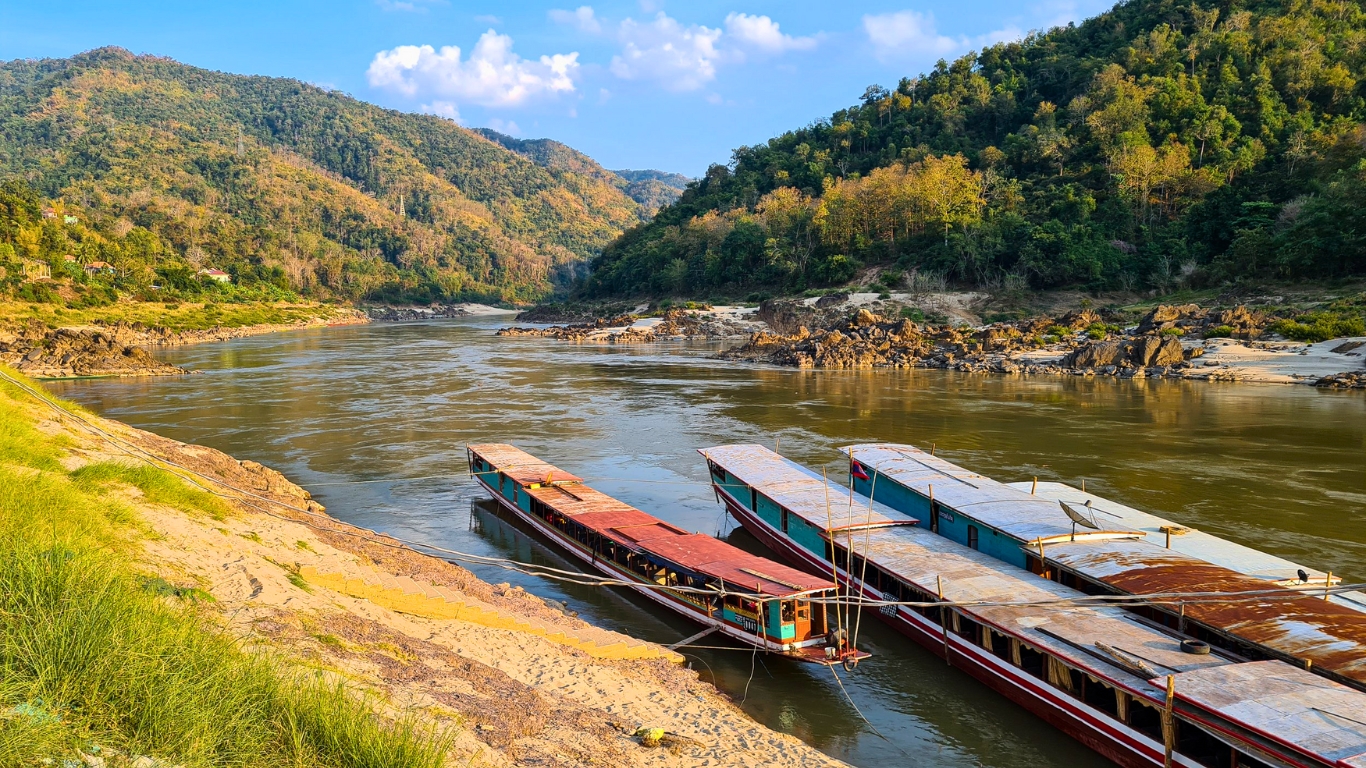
(1168, 342)
(119, 349)
(634, 329)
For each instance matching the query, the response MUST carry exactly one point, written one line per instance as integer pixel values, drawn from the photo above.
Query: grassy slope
(93, 654)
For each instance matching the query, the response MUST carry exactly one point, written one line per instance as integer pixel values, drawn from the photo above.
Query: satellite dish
(1080, 518)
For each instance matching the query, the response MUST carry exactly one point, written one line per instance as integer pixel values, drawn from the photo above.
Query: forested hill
(1160, 144)
(166, 166)
(651, 189)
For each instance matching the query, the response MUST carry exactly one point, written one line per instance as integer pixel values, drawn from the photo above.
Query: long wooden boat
(1132, 690)
(1285, 617)
(751, 599)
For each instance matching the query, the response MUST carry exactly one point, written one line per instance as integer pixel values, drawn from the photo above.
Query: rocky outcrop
(1348, 380)
(409, 314)
(1192, 320)
(1144, 352)
(71, 352)
(623, 329)
(117, 349)
(1043, 345)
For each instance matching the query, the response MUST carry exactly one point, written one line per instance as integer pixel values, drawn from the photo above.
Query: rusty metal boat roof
(824, 504)
(1284, 704)
(1199, 544)
(995, 504)
(1304, 628)
(522, 466)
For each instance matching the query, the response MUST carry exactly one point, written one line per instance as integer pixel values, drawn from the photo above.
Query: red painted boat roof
(520, 465)
(628, 527)
(712, 557)
(637, 530)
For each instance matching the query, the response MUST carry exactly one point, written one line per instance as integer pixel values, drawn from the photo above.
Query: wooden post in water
(1083, 485)
(1327, 584)
(1035, 487)
(1169, 723)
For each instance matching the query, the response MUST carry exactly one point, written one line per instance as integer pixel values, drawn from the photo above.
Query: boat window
(1197, 744)
(789, 611)
(784, 519)
(967, 627)
(1031, 661)
(934, 516)
(1000, 645)
(754, 499)
(1145, 719)
(1100, 696)
(972, 536)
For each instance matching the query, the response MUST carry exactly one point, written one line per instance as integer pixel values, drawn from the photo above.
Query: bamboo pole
(830, 537)
(1168, 723)
(1035, 487)
(1327, 584)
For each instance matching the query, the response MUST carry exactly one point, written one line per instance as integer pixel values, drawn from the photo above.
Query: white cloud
(509, 127)
(581, 18)
(446, 109)
(492, 75)
(762, 33)
(911, 34)
(680, 58)
(906, 34)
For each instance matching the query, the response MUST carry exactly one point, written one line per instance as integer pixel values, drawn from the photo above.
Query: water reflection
(373, 419)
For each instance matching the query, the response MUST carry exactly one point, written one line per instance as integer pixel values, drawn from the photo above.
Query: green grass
(158, 486)
(94, 653)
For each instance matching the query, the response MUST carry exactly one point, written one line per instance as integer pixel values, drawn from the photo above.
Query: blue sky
(633, 83)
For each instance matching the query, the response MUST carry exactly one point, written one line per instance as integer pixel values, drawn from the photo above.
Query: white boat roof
(1007, 509)
(1285, 704)
(823, 503)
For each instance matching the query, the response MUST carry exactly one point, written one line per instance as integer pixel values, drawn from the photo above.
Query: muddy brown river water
(374, 419)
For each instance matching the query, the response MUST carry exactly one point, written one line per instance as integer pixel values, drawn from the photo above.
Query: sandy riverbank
(521, 682)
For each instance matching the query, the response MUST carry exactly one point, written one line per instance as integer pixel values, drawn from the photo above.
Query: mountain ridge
(652, 189)
(345, 198)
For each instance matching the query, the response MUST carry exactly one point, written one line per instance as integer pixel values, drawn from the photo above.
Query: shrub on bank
(1319, 327)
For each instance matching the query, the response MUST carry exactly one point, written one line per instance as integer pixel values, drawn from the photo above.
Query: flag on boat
(856, 469)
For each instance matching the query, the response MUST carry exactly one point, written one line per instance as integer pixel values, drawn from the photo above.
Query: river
(374, 419)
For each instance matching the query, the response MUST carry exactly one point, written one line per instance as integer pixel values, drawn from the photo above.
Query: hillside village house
(99, 268)
(215, 274)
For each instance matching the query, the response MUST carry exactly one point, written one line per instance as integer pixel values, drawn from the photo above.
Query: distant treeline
(1160, 144)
